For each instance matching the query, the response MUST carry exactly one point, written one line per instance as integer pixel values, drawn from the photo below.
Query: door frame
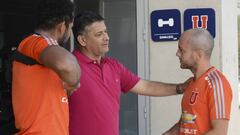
(143, 66)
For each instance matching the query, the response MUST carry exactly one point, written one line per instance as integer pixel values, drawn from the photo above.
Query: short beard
(64, 41)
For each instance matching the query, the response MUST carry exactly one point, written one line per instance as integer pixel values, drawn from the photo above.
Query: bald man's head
(200, 39)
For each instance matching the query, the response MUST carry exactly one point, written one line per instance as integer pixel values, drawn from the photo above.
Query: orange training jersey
(39, 102)
(205, 99)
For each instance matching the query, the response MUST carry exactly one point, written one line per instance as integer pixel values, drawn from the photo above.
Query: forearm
(70, 75)
(160, 89)
(70, 78)
(151, 88)
(63, 63)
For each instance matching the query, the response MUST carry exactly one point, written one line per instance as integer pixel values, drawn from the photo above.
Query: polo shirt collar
(85, 58)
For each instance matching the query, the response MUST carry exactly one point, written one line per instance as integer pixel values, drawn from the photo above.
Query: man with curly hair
(40, 102)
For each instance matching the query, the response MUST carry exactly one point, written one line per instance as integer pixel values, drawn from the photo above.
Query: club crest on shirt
(193, 97)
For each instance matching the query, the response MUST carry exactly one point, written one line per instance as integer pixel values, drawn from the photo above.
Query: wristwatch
(179, 90)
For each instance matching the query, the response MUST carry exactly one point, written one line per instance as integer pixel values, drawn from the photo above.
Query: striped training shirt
(205, 99)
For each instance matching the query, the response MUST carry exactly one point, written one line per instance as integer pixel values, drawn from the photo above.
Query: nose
(178, 53)
(106, 37)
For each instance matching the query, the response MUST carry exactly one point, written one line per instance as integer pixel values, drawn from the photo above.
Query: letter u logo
(195, 20)
(193, 97)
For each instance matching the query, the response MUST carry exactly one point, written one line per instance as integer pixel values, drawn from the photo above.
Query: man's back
(38, 96)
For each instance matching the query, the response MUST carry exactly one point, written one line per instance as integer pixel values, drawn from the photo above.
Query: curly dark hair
(84, 19)
(52, 12)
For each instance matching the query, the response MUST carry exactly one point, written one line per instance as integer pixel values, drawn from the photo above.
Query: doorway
(120, 15)
(120, 18)
(16, 22)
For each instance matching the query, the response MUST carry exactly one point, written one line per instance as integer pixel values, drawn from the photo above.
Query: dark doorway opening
(16, 22)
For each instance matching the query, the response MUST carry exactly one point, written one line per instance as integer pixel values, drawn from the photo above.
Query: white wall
(164, 65)
(229, 57)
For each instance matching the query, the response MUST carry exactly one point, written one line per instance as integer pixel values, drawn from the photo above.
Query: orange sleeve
(33, 46)
(220, 98)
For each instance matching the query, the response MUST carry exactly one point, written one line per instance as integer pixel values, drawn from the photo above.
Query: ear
(61, 28)
(199, 54)
(81, 39)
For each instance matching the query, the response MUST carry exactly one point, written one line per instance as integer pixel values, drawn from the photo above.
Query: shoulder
(33, 40)
(34, 45)
(217, 80)
(38, 39)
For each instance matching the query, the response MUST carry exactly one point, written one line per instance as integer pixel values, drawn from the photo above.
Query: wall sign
(200, 18)
(165, 25)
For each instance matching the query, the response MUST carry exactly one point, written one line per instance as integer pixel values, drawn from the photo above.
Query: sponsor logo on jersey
(188, 131)
(188, 118)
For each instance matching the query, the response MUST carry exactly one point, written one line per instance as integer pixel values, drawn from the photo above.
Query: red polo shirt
(94, 107)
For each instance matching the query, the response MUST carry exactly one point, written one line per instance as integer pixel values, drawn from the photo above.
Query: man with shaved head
(206, 103)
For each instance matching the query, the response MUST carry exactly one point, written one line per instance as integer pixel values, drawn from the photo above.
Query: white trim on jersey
(53, 41)
(50, 41)
(219, 99)
(222, 93)
(36, 35)
(215, 98)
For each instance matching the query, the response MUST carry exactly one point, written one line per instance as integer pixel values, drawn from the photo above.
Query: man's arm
(64, 64)
(175, 130)
(218, 127)
(151, 88)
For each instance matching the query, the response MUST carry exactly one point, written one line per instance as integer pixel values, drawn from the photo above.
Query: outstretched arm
(64, 64)
(151, 88)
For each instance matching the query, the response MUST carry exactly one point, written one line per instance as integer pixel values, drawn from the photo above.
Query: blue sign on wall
(165, 25)
(200, 18)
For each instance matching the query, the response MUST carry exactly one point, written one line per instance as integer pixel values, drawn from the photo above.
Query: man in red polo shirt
(94, 107)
